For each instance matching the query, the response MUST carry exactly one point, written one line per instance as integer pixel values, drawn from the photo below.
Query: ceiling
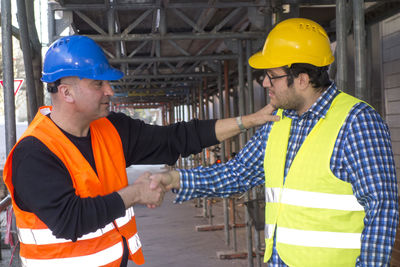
(168, 49)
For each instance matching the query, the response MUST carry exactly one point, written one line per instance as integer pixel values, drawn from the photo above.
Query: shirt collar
(319, 108)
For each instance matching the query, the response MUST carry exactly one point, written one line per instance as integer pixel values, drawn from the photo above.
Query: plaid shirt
(362, 156)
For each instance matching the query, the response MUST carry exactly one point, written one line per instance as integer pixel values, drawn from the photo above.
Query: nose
(266, 82)
(107, 89)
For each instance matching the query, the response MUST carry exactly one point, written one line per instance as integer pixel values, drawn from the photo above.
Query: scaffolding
(190, 60)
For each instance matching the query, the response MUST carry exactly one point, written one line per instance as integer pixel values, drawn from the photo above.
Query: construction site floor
(169, 236)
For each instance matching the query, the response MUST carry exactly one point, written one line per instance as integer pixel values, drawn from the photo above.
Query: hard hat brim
(110, 75)
(259, 61)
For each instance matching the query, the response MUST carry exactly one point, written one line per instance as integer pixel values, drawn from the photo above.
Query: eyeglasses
(275, 77)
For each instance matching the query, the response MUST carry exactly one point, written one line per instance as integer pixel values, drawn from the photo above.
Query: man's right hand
(169, 179)
(140, 192)
(260, 117)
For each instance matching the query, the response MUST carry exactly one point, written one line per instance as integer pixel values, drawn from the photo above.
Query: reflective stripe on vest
(314, 238)
(312, 199)
(134, 243)
(98, 259)
(45, 236)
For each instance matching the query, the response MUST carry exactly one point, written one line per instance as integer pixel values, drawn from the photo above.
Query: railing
(5, 202)
(14, 255)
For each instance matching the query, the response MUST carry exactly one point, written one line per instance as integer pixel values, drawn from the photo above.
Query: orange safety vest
(104, 247)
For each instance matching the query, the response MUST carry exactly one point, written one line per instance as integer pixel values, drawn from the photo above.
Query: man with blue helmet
(67, 173)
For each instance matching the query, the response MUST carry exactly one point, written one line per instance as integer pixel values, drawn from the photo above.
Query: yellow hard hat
(295, 40)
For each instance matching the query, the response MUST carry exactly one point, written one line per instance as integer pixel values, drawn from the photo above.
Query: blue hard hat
(77, 56)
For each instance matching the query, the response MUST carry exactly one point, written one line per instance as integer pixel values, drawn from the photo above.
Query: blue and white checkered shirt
(362, 156)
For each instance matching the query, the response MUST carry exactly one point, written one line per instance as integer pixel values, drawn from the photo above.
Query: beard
(289, 99)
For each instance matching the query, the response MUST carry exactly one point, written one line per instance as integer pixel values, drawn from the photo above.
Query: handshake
(149, 189)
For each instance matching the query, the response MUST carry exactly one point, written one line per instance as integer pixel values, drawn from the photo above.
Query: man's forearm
(226, 128)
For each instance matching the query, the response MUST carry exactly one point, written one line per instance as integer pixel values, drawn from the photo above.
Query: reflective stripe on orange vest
(45, 236)
(101, 258)
(98, 259)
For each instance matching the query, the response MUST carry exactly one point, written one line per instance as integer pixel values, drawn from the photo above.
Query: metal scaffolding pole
(171, 59)
(251, 132)
(180, 118)
(243, 137)
(183, 111)
(177, 36)
(228, 152)
(171, 113)
(250, 88)
(51, 21)
(9, 104)
(360, 48)
(26, 49)
(189, 117)
(241, 96)
(163, 115)
(195, 115)
(170, 76)
(171, 84)
(228, 143)
(223, 156)
(8, 75)
(202, 117)
(341, 46)
(208, 116)
(139, 6)
(208, 154)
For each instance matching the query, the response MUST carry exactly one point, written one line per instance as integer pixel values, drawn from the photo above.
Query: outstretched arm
(153, 144)
(238, 175)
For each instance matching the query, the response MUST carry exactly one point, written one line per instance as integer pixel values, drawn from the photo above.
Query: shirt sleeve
(235, 176)
(368, 160)
(42, 185)
(152, 144)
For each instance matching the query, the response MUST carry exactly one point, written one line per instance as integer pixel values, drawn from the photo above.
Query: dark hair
(319, 76)
(53, 87)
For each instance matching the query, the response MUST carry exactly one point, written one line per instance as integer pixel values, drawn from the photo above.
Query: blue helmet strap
(53, 87)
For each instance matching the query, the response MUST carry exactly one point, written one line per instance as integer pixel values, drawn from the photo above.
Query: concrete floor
(169, 237)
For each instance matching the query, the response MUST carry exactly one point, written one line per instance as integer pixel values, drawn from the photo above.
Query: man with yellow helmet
(327, 165)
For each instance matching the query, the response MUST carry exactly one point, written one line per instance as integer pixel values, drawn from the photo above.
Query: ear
(66, 93)
(303, 81)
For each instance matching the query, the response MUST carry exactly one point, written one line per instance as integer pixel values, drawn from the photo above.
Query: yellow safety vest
(314, 216)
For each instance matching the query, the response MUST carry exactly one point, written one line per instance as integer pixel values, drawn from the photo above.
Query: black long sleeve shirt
(42, 184)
